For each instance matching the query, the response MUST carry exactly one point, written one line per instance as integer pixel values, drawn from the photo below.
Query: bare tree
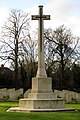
(14, 33)
(30, 59)
(62, 48)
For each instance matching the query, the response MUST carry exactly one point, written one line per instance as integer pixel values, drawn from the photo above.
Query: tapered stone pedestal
(41, 96)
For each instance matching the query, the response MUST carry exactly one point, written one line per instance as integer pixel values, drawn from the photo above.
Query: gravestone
(3, 93)
(11, 93)
(18, 93)
(68, 98)
(27, 93)
(65, 94)
(78, 97)
(41, 97)
(14, 94)
(58, 93)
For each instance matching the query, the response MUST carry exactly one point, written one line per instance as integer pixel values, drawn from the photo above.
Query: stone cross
(41, 72)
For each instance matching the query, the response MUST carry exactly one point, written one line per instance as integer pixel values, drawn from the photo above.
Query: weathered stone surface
(41, 103)
(41, 85)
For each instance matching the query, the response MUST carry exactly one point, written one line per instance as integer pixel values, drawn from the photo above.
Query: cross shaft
(41, 65)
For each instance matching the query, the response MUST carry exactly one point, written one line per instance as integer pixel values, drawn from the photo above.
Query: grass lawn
(73, 105)
(37, 115)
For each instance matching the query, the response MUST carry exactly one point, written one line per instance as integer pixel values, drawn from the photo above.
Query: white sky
(65, 12)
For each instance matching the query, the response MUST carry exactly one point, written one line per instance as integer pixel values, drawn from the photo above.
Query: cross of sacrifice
(41, 72)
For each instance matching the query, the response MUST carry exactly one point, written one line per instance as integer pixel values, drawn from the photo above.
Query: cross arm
(35, 17)
(46, 17)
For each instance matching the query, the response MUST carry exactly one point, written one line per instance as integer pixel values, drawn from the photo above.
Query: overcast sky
(65, 12)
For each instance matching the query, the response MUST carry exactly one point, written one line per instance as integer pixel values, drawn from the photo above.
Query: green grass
(6, 105)
(37, 115)
(76, 106)
(40, 116)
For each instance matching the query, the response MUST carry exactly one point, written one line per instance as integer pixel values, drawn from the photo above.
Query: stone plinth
(41, 104)
(41, 97)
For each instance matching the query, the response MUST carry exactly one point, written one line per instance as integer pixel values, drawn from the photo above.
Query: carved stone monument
(41, 97)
